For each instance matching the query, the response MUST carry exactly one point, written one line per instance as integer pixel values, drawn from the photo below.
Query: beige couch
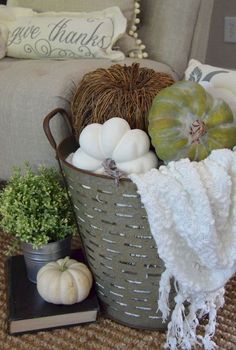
(173, 32)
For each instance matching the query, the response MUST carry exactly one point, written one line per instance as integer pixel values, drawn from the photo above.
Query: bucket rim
(49, 244)
(62, 158)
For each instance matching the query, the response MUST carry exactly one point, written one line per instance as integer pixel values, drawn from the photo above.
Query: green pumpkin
(187, 122)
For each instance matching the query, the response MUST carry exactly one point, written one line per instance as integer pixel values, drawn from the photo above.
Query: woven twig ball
(119, 91)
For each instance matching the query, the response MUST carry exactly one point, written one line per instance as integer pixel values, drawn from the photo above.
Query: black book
(28, 312)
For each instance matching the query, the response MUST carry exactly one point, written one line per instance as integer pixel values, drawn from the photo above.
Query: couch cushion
(128, 43)
(126, 6)
(29, 90)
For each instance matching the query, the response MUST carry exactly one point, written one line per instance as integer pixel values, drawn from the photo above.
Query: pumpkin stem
(197, 130)
(63, 265)
(111, 169)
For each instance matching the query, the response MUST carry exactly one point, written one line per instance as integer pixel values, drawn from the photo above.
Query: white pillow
(63, 35)
(130, 44)
(219, 82)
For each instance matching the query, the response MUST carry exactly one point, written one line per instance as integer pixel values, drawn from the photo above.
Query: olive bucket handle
(47, 129)
(51, 139)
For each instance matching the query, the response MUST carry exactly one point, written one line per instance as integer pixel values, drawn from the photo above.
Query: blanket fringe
(164, 293)
(182, 329)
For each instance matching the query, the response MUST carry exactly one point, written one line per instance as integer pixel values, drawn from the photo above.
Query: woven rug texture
(105, 334)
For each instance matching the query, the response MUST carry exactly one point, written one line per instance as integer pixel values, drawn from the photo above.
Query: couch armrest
(175, 30)
(202, 30)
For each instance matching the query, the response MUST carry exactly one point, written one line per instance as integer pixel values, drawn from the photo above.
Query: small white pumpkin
(130, 149)
(65, 281)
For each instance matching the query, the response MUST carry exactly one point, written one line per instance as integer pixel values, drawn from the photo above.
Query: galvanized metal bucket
(116, 237)
(37, 258)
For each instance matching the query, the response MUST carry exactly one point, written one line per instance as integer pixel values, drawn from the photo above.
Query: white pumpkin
(65, 281)
(130, 149)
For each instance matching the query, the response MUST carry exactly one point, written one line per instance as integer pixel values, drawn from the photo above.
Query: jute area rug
(105, 334)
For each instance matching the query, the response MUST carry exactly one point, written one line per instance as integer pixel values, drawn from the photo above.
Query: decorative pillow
(219, 82)
(129, 43)
(65, 34)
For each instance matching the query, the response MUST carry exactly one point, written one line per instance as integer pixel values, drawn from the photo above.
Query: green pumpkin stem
(63, 265)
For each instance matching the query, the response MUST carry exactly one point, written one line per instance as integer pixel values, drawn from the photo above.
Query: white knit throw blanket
(191, 208)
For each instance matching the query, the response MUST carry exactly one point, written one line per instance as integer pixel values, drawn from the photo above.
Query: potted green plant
(36, 211)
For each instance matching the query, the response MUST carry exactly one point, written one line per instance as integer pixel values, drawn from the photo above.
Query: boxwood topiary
(35, 208)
